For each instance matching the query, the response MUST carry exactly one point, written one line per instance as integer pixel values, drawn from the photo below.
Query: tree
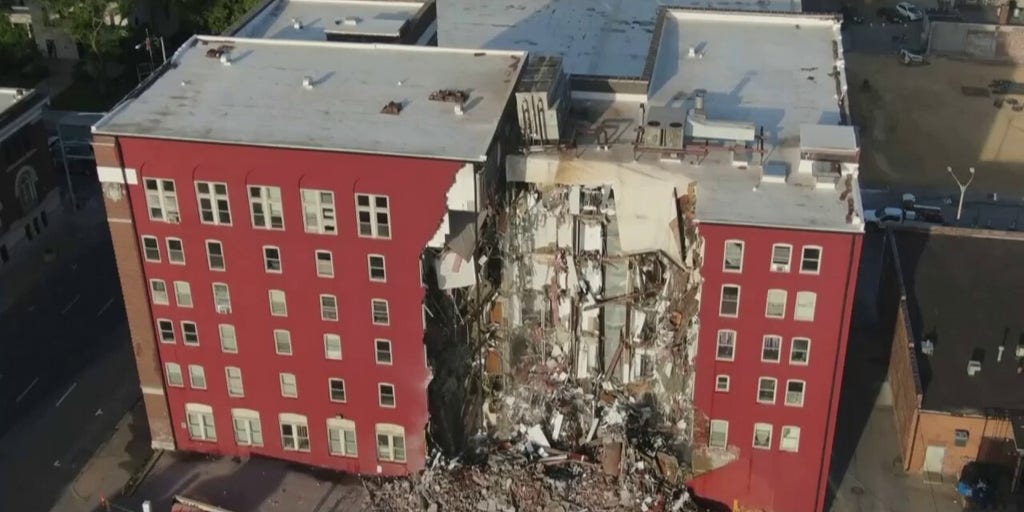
(100, 25)
(16, 48)
(213, 17)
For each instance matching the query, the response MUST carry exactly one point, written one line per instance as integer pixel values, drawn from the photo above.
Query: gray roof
(259, 98)
(315, 17)
(608, 38)
(9, 96)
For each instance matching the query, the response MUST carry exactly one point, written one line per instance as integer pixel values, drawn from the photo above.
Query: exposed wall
(988, 441)
(977, 40)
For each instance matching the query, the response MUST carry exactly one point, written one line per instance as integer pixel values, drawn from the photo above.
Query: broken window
(383, 351)
(390, 442)
(329, 308)
(766, 390)
(166, 328)
(332, 346)
(266, 207)
(776, 305)
(213, 203)
(196, 376)
(289, 387)
(810, 263)
(183, 294)
(781, 254)
(763, 436)
(733, 256)
(162, 200)
(282, 342)
(215, 255)
(386, 394)
(381, 315)
(151, 248)
(158, 290)
(722, 383)
(272, 259)
(175, 251)
(805, 304)
(174, 377)
(318, 213)
(248, 431)
(324, 264)
(377, 270)
(278, 304)
(718, 437)
(730, 300)
(771, 349)
(790, 441)
(337, 387)
(801, 351)
(228, 340)
(294, 432)
(200, 422)
(726, 345)
(795, 393)
(234, 377)
(374, 216)
(341, 437)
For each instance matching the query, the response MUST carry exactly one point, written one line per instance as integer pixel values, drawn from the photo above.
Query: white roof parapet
(310, 20)
(828, 138)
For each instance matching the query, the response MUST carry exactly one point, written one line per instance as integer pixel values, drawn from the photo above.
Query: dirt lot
(915, 121)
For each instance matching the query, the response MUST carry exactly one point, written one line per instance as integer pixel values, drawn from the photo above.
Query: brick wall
(939, 429)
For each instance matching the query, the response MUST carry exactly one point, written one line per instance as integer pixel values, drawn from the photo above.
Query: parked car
(909, 11)
(890, 15)
(892, 215)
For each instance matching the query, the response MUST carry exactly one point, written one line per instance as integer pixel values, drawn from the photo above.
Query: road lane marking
(66, 393)
(72, 303)
(29, 388)
(105, 306)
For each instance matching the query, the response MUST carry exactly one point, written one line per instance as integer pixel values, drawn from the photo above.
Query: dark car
(890, 15)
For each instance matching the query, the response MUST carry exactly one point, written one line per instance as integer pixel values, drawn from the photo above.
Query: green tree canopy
(16, 48)
(98, 24)
(214, 16)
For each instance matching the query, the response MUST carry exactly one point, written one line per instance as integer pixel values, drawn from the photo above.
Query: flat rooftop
(259, 98)
(609, 38)
(9, 96)
(310, 20)
(967, 310)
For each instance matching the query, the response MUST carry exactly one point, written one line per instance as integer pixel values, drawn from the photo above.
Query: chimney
(307, 82)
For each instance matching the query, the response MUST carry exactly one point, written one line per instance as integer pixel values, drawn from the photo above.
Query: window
(278, 305)
(175, 251)
(222, 298)
(795, 393)
(722, 383)
(771, 348)
(289, 388)
(332, 346)
(213, 203)
(810, 262)
(960, 437)
(200, 422)
(377, 271)
(196, 376)
(166, 328)
(390, 442)
(162, 200)
(790, 439)
(215, 255)
(776, 305)
(234, 377)
(228, 341)
(266, 207)
(718, 437)
(726, 345)
(380, 312)
(183, 294)
(324, 264)
(174, 377)
(800, 353)
(337, 390)
(151, 248)
(386, 394)
(766, 390)
(272, 259)
(318, 211)
(733, 256)
(248, 431)
(805, 302)
(190, 333)
(383, 351)
(294, 432)
(730, 300)
(374, 216)
(329, 308)
(282, 342)
(780, 257)
(341, 437)
(158, 290)
(763, 436)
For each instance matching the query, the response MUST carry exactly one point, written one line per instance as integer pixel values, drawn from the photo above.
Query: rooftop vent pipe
(351, 21)
(698, 101)
(225, 59)
(692, 53)
(307, 82)
(296, 24)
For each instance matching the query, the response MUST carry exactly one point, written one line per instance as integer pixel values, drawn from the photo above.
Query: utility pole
(963, 189)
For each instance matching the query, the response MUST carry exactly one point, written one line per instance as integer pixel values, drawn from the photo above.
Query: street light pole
(963, 189)
(67, 170)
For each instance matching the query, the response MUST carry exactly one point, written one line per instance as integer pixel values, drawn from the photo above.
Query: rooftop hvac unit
(542, 100)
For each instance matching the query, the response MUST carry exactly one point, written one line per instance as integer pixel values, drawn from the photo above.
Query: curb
(100, 448)
(140, 476)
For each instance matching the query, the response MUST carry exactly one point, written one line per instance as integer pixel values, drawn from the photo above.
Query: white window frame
(329, 313)
(791, 442)
(774, 389)
(228, 338)
(161, 298)
(719, 344)
(283, 377)
(172, 370)
(184, 333)
(377, 352)
(220, 217)
(235, 392)
(297, 423)
(267, 259)
(802, 396)
(373, 227)
(763, 427)
(183, 294)
(386, 312)
(801, 313)
(817, 261)
(160, 324)
(330, 390)
(722, 383)
(325, 212)
(721, 427)
(252, 427)
(388, 451)
(195, 370)
(780, 266)
(780, 295)
(156, 246)
(170, 252)
(200, 422)
(764, 348)
(370, 268)
(268, 204)
(721, 301)
(342, 431)
(222, 304)
(284, 303)
(162, 199)
(793, 351)
(280, 336)
(380, 395)
(329, 262)
(209, 256)
(725, 256)
(328, 352)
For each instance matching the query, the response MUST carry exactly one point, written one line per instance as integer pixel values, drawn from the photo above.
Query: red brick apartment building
(269, 202)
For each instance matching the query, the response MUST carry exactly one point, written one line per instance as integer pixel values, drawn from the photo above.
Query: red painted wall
(774, 480)
(417, 191)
